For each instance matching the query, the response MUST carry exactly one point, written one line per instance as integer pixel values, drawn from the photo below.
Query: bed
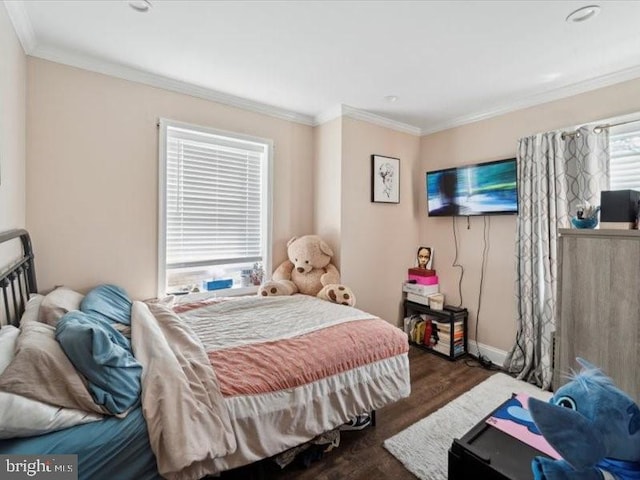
(285, 369)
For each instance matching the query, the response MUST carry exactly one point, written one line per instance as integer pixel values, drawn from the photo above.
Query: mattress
(108, 449)
(291, 368)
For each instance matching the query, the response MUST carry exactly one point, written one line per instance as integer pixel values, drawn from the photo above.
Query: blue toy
(593, 425)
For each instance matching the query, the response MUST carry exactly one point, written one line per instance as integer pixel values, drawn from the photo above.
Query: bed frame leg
(373, 418)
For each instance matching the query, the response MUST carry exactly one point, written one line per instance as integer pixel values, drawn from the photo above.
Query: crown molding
(328, 115)
(539, 99)
(21, 24)
(86, 62)
(365, 116)
(19, 17)
(357, 114)
(124, 72)
(338, 111)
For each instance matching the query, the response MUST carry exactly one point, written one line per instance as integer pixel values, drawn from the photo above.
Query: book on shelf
(445, 327)
(447, 334)
(418, 329)
(446, 349)
(422, 330)
(447, 338)
(419, 332)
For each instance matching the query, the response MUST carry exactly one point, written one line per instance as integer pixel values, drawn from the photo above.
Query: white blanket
(188, 423)
(233, 322)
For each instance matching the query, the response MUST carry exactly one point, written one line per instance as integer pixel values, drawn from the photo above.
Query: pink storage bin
(432, 280)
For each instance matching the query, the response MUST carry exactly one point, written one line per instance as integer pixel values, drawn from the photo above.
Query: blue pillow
(109, 302)
(101, 354)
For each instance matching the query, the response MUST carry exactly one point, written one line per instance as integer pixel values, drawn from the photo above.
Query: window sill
(222, 292)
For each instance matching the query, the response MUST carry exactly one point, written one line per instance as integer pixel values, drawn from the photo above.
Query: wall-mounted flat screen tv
(482, 189)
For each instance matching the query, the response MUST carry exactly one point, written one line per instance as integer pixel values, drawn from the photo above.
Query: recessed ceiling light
(583, 14)
(141, 6)
(391, 98)
(550, 77)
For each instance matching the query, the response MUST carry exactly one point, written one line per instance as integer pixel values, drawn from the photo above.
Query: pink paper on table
(519, 431)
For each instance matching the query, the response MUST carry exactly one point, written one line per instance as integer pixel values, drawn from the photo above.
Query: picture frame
(385, 179)
(424, 257)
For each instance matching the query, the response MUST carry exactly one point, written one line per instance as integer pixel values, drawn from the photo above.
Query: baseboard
(496, 355)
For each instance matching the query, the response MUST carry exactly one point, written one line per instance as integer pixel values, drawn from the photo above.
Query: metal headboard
(18, 280)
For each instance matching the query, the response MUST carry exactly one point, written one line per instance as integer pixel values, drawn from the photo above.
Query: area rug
(422, 448)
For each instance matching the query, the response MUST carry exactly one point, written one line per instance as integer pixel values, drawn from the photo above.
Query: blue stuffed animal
(593, 425)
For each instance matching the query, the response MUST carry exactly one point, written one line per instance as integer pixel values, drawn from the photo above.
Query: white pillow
(8, 337)
(32, 308)
(62, 300)
(21, 416)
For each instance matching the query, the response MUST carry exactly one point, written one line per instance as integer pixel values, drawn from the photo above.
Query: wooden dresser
(599, 305)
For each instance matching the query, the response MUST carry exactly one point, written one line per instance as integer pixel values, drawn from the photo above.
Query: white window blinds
(624, 144)
(214, 199)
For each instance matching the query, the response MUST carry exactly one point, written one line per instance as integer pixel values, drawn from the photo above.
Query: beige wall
(92, 181)
(327, 210)
(378, 240)
(493, 139)
(12, 126)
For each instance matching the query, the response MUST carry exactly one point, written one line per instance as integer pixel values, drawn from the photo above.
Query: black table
(488, 453)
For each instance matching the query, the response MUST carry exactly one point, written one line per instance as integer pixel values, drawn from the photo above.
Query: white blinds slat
(625, 159)
(214, 198)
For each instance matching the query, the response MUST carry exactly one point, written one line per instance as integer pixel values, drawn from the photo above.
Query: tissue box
(219, 284)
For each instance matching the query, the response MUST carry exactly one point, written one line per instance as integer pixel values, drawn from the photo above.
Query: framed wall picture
(424, 258)
(385, 179)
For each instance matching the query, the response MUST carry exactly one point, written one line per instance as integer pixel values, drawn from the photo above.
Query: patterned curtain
(554, 176)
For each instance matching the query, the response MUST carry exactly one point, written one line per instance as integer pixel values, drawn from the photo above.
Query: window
(215, 208)
(624, 144)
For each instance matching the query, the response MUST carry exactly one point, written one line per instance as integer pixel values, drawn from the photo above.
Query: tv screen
(482, 189)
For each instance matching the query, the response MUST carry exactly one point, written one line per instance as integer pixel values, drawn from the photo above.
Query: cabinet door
(599, 314)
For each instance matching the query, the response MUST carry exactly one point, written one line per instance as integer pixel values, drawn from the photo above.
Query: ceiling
(449, 63)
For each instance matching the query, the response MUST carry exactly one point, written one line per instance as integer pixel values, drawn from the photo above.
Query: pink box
(432, 280)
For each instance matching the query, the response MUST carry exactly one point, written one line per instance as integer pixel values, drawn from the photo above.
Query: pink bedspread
(289, 363)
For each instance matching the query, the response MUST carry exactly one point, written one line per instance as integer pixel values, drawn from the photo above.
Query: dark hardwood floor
(361, 456)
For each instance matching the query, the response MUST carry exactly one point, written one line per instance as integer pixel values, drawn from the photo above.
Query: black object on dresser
(619, 205)
(445, 327)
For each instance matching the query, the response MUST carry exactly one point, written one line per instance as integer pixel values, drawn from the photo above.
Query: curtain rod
(599, 128)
